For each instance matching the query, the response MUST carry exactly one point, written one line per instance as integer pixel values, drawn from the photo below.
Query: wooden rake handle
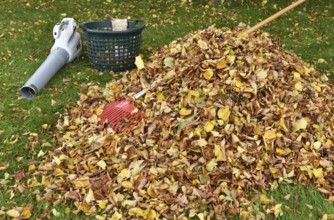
(274, 16)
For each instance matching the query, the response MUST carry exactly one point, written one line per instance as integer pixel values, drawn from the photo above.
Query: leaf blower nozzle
(66, 48)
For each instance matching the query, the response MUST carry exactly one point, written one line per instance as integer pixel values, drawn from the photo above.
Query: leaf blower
(66, 48)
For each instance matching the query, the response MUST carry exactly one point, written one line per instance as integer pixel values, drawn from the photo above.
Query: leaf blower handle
(66, 48)
(273, 17)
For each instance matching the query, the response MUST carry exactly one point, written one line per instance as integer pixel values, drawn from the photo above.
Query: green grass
(304, 202)
(26, 38)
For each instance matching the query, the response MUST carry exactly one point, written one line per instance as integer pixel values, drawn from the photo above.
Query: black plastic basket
(112, 50)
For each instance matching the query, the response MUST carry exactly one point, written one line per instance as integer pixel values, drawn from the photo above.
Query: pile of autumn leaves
(230, 113)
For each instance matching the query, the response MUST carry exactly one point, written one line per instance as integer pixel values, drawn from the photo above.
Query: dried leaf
(169, 61)
(4, 166)
(90, 196)
(102, 164)
(139, 63)
(300, 124)
(224, 113)
(211, 165)
(208, 74)
(209, 126)
(185, 112)
(14, 213)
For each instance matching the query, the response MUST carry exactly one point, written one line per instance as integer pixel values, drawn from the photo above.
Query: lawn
(27, 127)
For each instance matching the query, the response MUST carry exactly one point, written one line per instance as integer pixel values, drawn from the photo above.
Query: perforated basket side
(112, 50)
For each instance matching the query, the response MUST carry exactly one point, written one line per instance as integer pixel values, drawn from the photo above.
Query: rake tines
(121, 115)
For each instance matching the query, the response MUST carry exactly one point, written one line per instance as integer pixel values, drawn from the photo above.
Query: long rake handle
(274, 16)
(154, 84)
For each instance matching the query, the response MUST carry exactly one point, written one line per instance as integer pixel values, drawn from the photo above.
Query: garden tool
(123, 115)
(66, 48)
(274, 16)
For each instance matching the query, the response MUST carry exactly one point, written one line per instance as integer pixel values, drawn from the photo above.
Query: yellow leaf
(244, 35)
(59, 172)
(4, 165)
(26, 214)
(209, 126)
(7, 175)
(278, 210)
(56, 160)
(44, 126)
(136, 211)
(231, 59)
(269, 135)
(195, 93)
(185, 112)
(283, 152)
(264, 2)
(67, 210)
(208, 74)
(316, 87)
(211, 165)
(102, 204)
(264, 200)
(55, 212)
(201, 142)
(245, 215)
(150, 214)
(299, 86)
(300, 124)
(46, 144)
(116, 216)
(169, 61)
(300, 69)
(317, 145)
(318, 173)
(90, 196)
(201, 216)
(125, 173)
(221, 64)
(219, 153)
(31, 167)
(40, 153)
(161, 97)
(53, 102)
(99, 217)
(296, 75)
(240, 149)
(282, 125)
(136, 167)
(81, 182)
(139, 63)
(261, 74)
(239, 84)
(102, 164)
(14, 213)
(224, 113)
(127, 184)
(203, 45)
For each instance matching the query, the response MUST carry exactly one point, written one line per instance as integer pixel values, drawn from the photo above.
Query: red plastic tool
(123, 115)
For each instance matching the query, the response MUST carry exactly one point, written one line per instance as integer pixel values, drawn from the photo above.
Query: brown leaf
(19, 175)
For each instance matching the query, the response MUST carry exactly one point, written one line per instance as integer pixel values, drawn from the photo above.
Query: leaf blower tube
(66, 48)
(54, 62)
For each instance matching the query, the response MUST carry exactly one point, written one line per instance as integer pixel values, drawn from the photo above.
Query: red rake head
(121, 115)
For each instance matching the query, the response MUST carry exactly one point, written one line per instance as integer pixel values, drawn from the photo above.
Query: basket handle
(142, 25)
